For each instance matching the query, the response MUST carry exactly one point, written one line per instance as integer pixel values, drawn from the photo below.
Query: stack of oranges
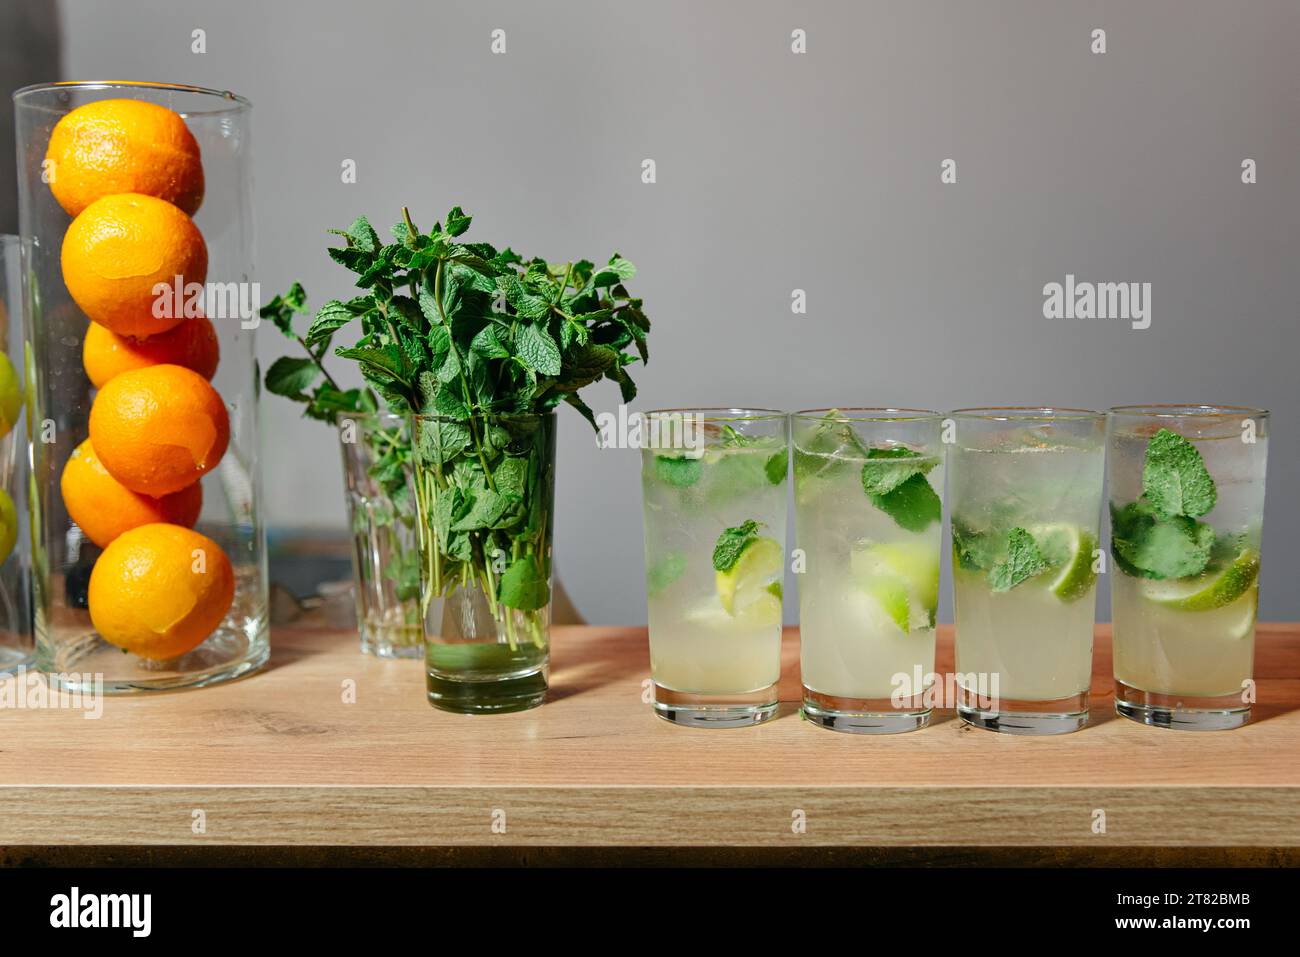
(130, 175)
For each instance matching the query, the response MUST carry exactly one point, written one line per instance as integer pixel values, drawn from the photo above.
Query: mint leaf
(1022, 563)
(1148, 544)
(886, 469)
(457, 222)
(913, 505)
(527, 305)
(330, 317)
(510, 477)
(679, 472)
(776, 467)
(538, 350)
(363, 235)
(523, 586)
(972, 550)
(282, 309)
(1174, 477)
(666, 571)
(734, 439)
(487, 511)
(290, 377)
(731, 543)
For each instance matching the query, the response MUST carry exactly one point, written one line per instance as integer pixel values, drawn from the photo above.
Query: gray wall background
(778, 171)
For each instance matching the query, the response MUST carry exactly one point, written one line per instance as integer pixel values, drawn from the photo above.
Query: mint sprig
(887, 469)
(732, 542)
(1023, 561)
(894, 479)
(1174, 477)
(661, 575)
(1159, 535)
(678, 471)
(1148, 544)
(913, 505)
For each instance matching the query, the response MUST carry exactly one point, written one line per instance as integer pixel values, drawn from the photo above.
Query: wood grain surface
(328, 747)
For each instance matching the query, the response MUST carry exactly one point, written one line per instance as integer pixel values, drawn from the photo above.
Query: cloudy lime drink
(1026, 503)
(1187, 505)
(714, 485)
(868, 486)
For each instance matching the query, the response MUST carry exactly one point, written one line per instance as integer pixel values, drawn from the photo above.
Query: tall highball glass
(1187, 513)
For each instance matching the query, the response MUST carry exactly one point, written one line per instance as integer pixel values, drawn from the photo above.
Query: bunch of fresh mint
(1160, 535)
(462, 329)
(486, 341)
(894, 478)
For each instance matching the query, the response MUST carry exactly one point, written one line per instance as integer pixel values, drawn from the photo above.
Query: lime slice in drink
(1243, 625)
(892, 597)
(745, 589)
(903, 577)
(1069, 553)
(1207, 592)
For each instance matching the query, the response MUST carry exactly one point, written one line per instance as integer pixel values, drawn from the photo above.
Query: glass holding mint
(476, 347)
(1026, 486)
(1187, 509)
(714, 483)
(868, 493)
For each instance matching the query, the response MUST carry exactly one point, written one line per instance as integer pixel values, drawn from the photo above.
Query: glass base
(90, 665)
(715, 711)
(1181, 712)
(383, 649)
(1013, 716)
(861, 715)
(11, 659)
(517, 692)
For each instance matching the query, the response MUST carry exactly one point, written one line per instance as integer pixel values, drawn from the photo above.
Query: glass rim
(1027, 413)
(240, 103)
(868, 414)
(476, 417)
(1175, 411)
(723, 413)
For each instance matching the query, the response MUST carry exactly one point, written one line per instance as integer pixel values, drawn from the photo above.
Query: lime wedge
(1243, 625)
(748, 581)
(1069, 553)
(903, 577)
(892, 597)
(1207, 592)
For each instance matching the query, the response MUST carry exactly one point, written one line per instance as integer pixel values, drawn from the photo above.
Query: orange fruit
(193, 344)
(159, 429)
(104, 508)
(159, 590)
(118, 249)
(124, 146)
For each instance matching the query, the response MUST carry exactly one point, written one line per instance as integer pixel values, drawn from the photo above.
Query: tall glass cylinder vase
(376, 450)
(485, 490)
(15, 535)
(135, 203)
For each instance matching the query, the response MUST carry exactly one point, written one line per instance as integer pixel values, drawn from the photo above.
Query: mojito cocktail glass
(714, 485)
(868, 491)
(1187, 508)
(1026, 505)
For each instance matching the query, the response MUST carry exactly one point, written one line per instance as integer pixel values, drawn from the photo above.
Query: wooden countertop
(283, 759)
